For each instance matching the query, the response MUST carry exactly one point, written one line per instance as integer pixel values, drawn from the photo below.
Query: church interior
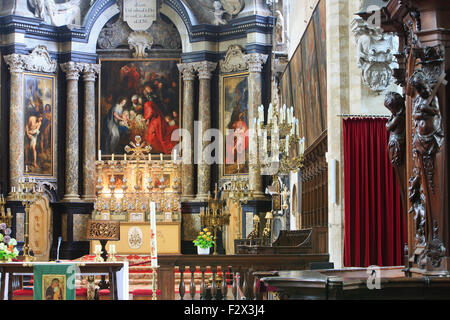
(224, 149)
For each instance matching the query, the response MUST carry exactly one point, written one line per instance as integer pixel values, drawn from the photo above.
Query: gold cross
(138, 150)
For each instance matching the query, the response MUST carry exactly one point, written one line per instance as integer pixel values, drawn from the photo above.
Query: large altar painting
(39, 102)
(234, 124)
(139, 98)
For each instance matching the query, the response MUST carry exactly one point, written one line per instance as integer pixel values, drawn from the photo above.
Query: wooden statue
(422, 59)
(395, 102)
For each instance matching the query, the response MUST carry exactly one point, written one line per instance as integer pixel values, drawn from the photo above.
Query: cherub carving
(57, 14)
(218, 13)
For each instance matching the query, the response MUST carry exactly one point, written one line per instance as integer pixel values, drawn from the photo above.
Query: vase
(203, 251)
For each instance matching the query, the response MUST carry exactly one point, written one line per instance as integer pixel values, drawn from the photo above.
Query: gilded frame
(48, 100)
(99, 97)
(223, 79)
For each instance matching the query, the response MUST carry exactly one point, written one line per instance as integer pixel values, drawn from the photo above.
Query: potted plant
(8, 250)
(204, 241)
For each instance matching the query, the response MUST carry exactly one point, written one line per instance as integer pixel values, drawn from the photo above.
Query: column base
(202, 198)
(71, 198)
(259, 195)
(88, 198)
(188, 198)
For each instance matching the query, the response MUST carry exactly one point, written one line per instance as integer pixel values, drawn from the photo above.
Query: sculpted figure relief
(57, 14)
(428, 135)
(396, 126)
(218, 13)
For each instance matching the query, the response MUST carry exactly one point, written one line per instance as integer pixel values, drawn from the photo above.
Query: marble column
(72, 70)
(16, 120)
(255, 63)
(188, 72)
(90, 72)
(205, 70)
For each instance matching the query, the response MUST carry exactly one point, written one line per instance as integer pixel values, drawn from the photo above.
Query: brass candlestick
(28, 193)
(154, 282)
(5, 217)
(214, 217)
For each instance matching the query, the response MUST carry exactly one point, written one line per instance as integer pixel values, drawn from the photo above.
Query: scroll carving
(140, 42)
(376, 56)
(234, 60)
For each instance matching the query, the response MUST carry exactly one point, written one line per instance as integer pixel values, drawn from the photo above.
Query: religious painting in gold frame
(39, 124)
(125, 88)
(54, 287)
(234, 124)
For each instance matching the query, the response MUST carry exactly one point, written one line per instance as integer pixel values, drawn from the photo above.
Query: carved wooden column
(255, 62)
(205, 70)
(72, 70)
(423, 28)
(89, 150)
(16, 119)
(188, 72)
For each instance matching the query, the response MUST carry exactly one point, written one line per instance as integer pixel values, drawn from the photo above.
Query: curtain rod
(364, 115)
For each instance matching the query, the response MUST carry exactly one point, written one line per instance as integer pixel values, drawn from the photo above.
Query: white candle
(99, 155)
(161, 157)
(149, 158)
(125, 157)
(98, 248)
(112, 157)
(153, 231)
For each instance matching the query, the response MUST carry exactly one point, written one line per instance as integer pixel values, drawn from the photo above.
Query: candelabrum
(268, 228)
(282, 132)
(5, 217)
(27, 192)
(126, 186)
(215, 216)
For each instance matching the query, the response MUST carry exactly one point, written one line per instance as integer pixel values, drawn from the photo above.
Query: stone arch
(176, 12)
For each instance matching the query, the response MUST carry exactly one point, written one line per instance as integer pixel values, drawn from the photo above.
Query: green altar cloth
(54, 282)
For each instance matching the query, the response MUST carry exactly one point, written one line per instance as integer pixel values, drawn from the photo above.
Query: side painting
(39, 102)
(235, 124)
(303, 84)
(139, 98)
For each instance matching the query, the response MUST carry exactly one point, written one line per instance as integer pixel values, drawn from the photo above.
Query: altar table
(117, 272)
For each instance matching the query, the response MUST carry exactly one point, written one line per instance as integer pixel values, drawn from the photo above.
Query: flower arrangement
(204, 239)
(8, 250)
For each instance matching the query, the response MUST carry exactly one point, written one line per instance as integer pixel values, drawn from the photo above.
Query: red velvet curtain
(375, 227)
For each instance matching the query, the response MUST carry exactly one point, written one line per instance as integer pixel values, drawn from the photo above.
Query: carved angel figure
(233, 7)
(396, 126)
(57, 14)
(218, 13)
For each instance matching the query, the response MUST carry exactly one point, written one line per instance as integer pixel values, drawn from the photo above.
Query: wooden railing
(236, 270)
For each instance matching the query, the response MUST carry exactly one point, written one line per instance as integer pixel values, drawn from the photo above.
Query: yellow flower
(209, 233)
(204, 236)
(206, 229)
(208, 239)
(202, 233)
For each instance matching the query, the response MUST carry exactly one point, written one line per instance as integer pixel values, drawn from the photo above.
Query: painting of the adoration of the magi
(139, 98)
